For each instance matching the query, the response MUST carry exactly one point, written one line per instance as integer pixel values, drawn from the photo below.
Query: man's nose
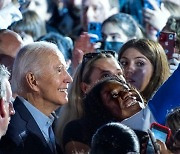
(90, 15)
(68, 77)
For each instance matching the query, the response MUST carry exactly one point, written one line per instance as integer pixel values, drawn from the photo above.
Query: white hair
(4, 76)
(33, 57)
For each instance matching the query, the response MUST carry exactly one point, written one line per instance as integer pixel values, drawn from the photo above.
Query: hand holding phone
(167, 41)
(154, 142)
(150, 5)
(94, 30)
(155, 14)
(161, 132)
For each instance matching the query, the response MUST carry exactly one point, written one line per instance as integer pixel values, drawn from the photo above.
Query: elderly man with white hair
(40, 79)
(6, 107)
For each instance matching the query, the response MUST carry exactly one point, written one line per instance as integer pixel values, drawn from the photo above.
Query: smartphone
(148, 5)
(168, 41)
(161, 132)
(94, 29)
(152, 142)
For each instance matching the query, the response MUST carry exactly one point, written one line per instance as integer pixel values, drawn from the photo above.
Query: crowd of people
(89, 76)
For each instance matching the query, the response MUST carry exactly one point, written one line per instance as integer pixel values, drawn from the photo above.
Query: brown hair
(156, 55)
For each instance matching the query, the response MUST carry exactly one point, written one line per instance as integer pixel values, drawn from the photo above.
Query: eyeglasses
(91, 55)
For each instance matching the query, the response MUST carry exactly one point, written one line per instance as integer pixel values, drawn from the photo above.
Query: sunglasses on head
(91, 55)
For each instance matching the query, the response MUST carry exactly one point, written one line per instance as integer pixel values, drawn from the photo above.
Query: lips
(137, 98)
(62, 89)
(130, 100)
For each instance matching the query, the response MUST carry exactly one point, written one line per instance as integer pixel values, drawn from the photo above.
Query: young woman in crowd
(94, 67)
(111, 99)
(118, 29)
(145, 65)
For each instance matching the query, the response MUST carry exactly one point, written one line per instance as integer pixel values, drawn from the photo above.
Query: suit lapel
(32, 127)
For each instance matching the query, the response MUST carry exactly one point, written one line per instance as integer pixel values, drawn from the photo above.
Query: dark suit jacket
(23, 135)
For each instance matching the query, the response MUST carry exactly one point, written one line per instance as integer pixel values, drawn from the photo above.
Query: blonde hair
(74, 109)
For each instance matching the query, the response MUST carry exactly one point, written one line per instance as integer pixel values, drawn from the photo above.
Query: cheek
(111, 104)
(148, 71)
(141, 77)
(113, 108)
(145, 76)
(94, 77)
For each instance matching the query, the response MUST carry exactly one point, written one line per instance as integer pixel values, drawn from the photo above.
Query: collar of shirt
(43, 121)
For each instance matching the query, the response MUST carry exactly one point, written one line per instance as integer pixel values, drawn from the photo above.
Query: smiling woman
(111, 99)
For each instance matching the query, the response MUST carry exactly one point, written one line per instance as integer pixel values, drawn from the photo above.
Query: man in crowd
(10, 44)
(40, 79)
(6, 107)
(92, 11)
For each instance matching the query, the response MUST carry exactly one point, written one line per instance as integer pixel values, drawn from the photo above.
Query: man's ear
(31, 81)
(84, 87)
(2, 108)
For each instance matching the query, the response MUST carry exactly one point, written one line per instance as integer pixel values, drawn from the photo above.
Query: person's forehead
(107, 62)
(101, 68)
(54, 60)
(133, 52)
(57, 57)
(104, 3)
(110, 27)
(61, 58)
